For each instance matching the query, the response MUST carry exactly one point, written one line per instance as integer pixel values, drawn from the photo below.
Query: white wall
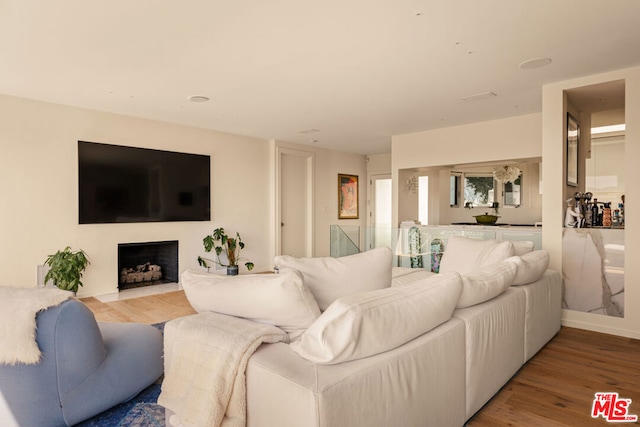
(39, 196)
(505, 139)
(378, 164)
(553, 192)
(39, 173)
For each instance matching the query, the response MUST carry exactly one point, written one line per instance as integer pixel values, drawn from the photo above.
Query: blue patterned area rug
(141, 411)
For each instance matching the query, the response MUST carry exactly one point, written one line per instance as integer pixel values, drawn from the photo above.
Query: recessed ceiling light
(530, 64)
(198, 98)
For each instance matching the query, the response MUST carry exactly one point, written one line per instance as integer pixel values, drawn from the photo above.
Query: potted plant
(66, 268)
(229, 246)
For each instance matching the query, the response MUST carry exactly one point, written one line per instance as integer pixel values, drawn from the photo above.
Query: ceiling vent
(198, 98)
(480, 96)
(309, 131)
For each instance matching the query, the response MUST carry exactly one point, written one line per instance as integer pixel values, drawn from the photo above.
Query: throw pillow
(369, 323)
(531, 266)
(486, 283)
(466, 255)
(281, 300)
(331, 278)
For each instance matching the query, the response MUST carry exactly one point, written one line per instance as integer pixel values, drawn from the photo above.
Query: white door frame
(310, 161)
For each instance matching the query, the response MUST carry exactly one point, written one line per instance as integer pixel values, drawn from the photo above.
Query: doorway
(294, 217)
(380, 211)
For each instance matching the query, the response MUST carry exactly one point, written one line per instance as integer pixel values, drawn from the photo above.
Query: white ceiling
(347, 73)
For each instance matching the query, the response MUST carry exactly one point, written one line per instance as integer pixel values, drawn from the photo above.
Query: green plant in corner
(221, 243)
(66, 268)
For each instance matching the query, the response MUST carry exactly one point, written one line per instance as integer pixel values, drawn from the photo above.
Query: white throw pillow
(521, 247)
(369, 323)
(281, 300)
(531, 266)
(466, 255)
(331, 278)
(486, 283)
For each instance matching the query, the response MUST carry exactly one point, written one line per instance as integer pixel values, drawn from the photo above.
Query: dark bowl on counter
(486, 219)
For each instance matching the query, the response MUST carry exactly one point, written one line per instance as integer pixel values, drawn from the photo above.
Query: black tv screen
(120, 184)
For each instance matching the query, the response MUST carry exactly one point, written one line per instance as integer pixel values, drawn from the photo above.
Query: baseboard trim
(601, 328)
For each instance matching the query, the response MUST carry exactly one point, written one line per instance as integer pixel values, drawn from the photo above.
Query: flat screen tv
(120, 184)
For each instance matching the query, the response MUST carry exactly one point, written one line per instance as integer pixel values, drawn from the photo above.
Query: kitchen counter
(499, 225)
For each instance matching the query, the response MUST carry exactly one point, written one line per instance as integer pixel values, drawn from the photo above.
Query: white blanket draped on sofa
(205, 359)
(18, 310)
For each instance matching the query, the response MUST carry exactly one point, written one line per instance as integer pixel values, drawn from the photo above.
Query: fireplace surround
(157, 262)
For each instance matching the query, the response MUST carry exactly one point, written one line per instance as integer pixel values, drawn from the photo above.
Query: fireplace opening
(146, 264)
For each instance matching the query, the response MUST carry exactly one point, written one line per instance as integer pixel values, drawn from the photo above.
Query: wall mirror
(512, 192)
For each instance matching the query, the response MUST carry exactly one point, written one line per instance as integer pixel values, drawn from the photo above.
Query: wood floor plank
(555, 388)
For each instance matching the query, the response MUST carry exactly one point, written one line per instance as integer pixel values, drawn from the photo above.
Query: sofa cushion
(331, 278)
(465, 255)
(486, 283)
(405, 275)
(531, 266)
(402, 271)
(521, 247)
(369, 323)
(281, 300)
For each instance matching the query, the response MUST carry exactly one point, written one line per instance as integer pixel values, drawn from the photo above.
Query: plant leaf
(218, 233)
(208, 243)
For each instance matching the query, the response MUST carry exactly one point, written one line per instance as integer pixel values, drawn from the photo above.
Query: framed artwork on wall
(573, 144)
(347, 196)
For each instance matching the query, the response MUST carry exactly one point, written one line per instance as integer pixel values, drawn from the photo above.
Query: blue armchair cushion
(86, 368)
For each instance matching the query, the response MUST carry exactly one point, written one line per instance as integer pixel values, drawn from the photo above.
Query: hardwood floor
(555, 388)
(150, 309)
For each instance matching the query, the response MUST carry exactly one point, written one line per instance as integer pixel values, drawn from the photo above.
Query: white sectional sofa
(389, 370)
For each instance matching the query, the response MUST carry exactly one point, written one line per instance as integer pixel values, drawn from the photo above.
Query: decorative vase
(232, 270)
